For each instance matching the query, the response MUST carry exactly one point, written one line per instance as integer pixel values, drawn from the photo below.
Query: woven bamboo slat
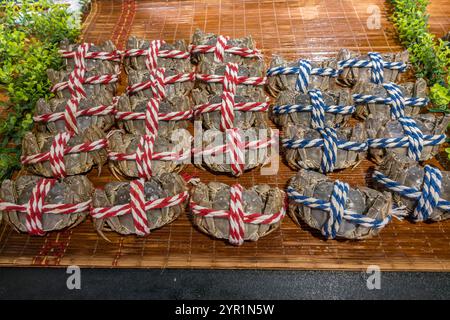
(313, 29)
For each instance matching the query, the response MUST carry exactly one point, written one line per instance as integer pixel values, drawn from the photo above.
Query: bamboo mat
(313, 29)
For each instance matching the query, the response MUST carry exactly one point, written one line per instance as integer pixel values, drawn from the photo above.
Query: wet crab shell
(75, 163)
(100, 97)
(361, 200)
(103, 68)
(137, 103)
(127, 144)
(220, 163)
(428, 123)
(351, 76)
(311, 158)
(117, 193)
(303, 119)
(278, 83)
(382, 112)
(201, 38)
(70, 190)
(409, 173)
(91, 64)
(242, 120)
(260, 198)
(175, 65)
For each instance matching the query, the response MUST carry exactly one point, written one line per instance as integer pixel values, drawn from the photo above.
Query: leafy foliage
(430, 57)
(30, 33)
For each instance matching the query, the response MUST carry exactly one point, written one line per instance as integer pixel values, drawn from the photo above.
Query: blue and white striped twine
(336, 210)
(428, 198)
(318, 108)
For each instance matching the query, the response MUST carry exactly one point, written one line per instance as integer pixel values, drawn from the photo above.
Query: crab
(278, 83)
(201, 38)
(75, 163)
(417, 89)
(260, 198)
(136, 103)
(311, 158)
(242, 120)
(220, 162)
(351, 76)
(117, 193)
(361, 200)
(333, 97)
(70, 190)
(138, 62)
(107, 46)
(409, 173)
(101, 68)
(101, 96)
(428, 123)
(127, 144)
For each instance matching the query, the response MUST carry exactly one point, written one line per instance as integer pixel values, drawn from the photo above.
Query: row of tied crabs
(313, 103)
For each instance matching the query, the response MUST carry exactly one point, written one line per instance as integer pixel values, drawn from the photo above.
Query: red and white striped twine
(230, 80)
(59, 149)
(75, 85)
(221, 47)
(138, 207)
(236, 215)
(36, 207)
(144, 155)
(154, 52)
(235, 148)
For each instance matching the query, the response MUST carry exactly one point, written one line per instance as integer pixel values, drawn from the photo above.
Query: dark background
(40, 283)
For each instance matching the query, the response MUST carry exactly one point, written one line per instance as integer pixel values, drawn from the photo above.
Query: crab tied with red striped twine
(59, 149)
(75, 84)
(36, 207)
(138, 207)
(221, 47)
(230, 80)
(236, 215)
(235, 148)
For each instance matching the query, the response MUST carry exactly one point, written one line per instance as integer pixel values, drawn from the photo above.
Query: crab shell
(128, 143)
(102, 68)
(103, 122)
(362, 200)
(260, 198)
(138, 62)
(382, 111)
(117, 193)
(70, 190)
(409, 173)
(278, 83)
(75, 163)
(221, 162)
(91, 64)
(311, 158)
(242, 119)
(428, 123)
(201, 38)
(351, 76)
(137, 103)
(303, 119)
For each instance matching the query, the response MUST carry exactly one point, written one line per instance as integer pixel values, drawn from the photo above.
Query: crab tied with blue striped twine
(330, 144)
(304, 70)
(396, 100)
(336, 210)
(377, 65)
(428, 198)
(415, 140)
(318, 108)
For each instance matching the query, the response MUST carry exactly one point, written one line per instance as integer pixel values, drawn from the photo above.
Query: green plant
(430, 57)
(30, 33)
